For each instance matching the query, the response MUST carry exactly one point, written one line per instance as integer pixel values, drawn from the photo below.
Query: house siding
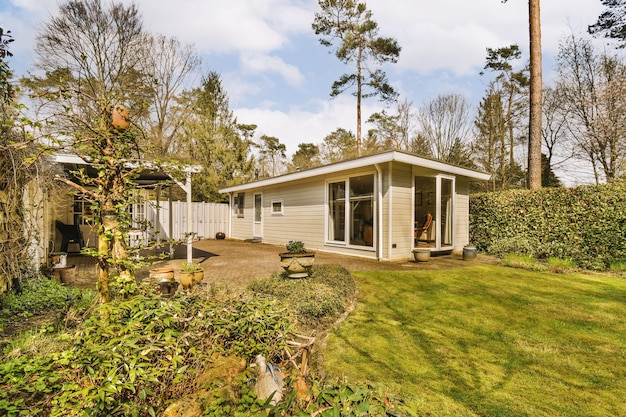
(304, 202)
(462, 214)
(402, 212)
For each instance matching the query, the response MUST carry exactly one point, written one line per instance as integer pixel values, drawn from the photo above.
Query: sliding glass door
(433, 225)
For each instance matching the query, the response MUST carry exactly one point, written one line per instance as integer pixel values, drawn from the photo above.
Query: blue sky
(278, 76)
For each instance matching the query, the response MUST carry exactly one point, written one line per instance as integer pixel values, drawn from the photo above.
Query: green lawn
(488, 341)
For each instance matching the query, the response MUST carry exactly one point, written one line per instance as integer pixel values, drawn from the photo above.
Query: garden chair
(70, 234)
(421, 230)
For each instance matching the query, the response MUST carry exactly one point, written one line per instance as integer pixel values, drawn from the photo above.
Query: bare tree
(593, 84)
(555, 133)
(173, 68)
(443, 121)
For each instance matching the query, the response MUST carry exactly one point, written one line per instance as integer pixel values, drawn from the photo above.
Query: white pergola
(152, 174)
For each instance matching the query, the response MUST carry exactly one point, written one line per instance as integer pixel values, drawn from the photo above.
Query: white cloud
(257, 63)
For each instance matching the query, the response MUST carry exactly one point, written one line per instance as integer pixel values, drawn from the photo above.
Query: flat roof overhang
(371, 160)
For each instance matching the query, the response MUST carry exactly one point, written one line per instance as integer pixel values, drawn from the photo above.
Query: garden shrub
(318, 300)
(132, 357)
(586, 224)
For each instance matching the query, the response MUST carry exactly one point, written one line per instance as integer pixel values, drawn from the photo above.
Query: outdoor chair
(70, 233)
(420, 230)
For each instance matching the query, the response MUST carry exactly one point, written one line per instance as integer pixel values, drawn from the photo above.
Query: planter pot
(158, 274)
(198, 276)
(297, 265)
(220, 235)
(421, 254)
(469, 252)
(185, 279)
(65, 275)
(167, 287)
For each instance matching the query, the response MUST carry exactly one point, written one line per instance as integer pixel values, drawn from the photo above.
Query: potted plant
(190, 274)
(297, 261)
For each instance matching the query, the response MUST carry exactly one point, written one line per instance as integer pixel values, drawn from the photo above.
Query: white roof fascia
(64, 158)
(360, 163)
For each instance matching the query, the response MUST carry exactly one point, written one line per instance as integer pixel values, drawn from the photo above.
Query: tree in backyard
(548, 177)
(557, 142)
(612, 22)
(594, 88)
(536, 88)
(421, 146)
(490, 146)
(91, 62)
(215, 141)
(172, 67)
(512, 86)
(445, 122)
(307, 156)
(338, 146)
(393, 131)
(272, 157)
(20, 165)
(349, 25)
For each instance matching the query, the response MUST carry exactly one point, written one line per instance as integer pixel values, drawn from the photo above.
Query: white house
(373, 206)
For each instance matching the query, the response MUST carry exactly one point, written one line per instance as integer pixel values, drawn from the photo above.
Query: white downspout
(379, 209)
(390, 213)
(230, 215)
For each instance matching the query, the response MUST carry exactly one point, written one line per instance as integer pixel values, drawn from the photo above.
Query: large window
(238, 202)
(351, 211)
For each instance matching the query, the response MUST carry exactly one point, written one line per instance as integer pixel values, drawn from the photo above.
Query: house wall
(401, 235)
(461, 214)
(304, 217)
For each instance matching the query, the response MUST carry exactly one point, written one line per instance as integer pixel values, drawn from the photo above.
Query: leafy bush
(317, 300)
(585, 224)
(132, 357)
(41, 294)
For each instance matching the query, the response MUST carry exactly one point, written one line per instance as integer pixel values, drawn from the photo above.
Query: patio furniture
(70, 234)
(420, 230)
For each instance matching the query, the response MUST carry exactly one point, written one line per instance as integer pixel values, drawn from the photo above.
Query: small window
(239, 204)
(277, 208)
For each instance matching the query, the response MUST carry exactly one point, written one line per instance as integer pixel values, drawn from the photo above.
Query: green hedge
(586, 224)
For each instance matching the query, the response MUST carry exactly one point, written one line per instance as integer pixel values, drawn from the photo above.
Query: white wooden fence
(207, 219)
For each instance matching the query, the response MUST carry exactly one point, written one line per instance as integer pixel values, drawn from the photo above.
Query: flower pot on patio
(198, 276)
(469, 252)
(297, 265)
(65, 275)
(186, 279)
(421, 254)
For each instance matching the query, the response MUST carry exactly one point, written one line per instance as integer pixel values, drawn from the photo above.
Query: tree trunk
(534, 137)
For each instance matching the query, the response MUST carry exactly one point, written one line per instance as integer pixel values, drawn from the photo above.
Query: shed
(374, 207)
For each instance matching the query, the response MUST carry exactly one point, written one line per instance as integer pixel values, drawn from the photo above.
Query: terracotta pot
(185, 279)
(297, 265)
(158, 274)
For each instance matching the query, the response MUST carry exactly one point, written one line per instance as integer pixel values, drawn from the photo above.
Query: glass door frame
(439, 178)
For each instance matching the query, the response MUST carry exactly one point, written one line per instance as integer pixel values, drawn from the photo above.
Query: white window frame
(282, 207)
